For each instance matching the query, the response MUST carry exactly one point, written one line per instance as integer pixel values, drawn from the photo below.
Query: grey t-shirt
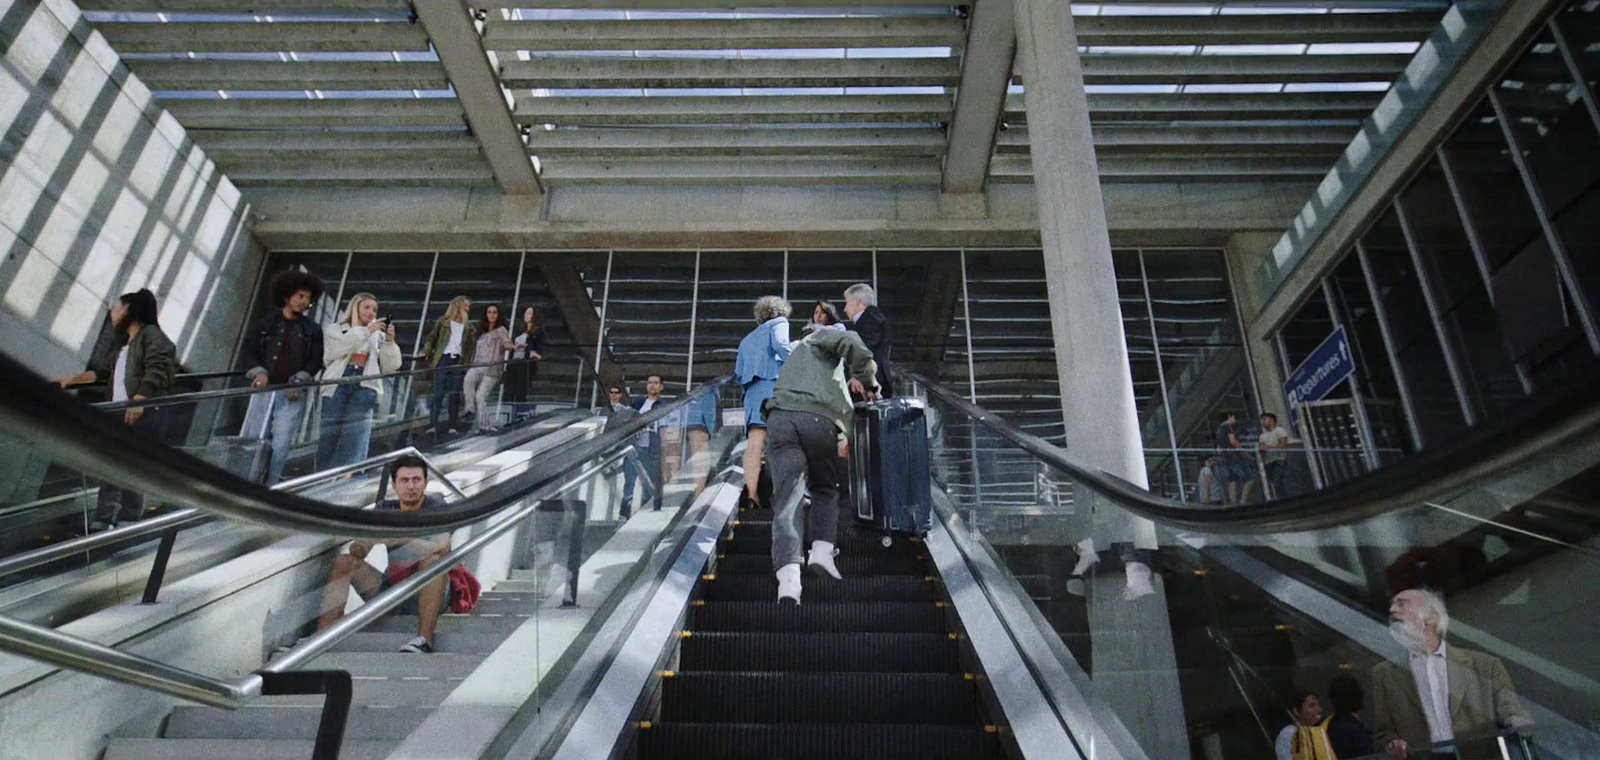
(412, 551)
(1230, 453)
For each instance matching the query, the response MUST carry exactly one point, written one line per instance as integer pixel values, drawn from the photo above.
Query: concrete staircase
(394, 691)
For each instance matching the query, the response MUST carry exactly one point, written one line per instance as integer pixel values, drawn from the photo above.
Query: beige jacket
(1482, 700)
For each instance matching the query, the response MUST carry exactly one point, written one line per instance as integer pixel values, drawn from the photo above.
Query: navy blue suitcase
(890, 482)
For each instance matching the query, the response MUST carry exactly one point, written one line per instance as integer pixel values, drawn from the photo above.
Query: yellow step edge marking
(940, 604)
(992, 729)
(970, 676)
(1283, 627)
(708, 577)
(953, 637)
(1202, 572)
(644, 725)
(685, 634)
(666, 674)
(698, 603)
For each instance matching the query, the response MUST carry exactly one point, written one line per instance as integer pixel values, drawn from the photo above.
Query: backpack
(464, 588)
(1311, 742)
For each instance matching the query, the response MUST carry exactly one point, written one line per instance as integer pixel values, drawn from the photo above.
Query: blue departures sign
(1321, 372)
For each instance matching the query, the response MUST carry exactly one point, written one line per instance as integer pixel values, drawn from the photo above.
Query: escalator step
(754, 515)
(734, 741)
(843, 617)
(820, 652)
(934, 698)
(749, 539)
(850, 564)
(867, 588)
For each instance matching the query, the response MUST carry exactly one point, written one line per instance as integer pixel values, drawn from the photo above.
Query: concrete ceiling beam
(1191, 168)
(317, 114)
(242, 6)
(1233, 69)
(231, 37)
(290, 75)
(728, 141)
(454, 34)
(734, 109)
(632, 73)
(323, 171)
(986, 63)
(721, 34)
(1113, 138)
(746, 171)
(497, 5)
(271, 140)
(1253, 29)
(1353, 106)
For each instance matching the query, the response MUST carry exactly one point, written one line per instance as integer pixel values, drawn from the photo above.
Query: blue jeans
(346, 429)
(649, 460)
(446, 383)
(285, 422)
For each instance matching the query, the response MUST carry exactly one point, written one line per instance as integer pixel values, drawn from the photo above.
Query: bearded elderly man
(1439, 692)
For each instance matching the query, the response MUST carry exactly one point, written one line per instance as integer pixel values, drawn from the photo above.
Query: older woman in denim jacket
(360, 344)
(761, 357)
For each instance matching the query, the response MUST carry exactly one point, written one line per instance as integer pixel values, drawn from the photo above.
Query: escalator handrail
(81, 437)
(1476, 456)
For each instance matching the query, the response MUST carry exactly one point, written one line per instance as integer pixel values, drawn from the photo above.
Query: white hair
(1433, 607)
(862, 292)
(771, 307)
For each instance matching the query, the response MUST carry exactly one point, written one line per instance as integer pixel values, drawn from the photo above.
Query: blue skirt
(757, 392)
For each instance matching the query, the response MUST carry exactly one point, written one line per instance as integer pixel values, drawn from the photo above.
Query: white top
(1432, 675)
(119, 376)
(1284, 746)
(454, 346)
(649, 403)
(1272, 439)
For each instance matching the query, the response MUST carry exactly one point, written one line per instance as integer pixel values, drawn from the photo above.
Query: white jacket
(341, 340)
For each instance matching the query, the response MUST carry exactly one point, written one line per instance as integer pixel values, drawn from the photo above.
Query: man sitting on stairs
(806, 436)
(409, 474)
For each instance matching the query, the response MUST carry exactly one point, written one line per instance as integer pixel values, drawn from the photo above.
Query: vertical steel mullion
(1579, 80)
(1381, 312)
(1480, 255)
(875, 271)
(972, 383)
(1244, 337)
(600, 335)
(694, 316)
(1312, 462)
(1430, 299)
(1558, 249)
(1161, 377)
(427, 297)
(344, 276)
(785, 274)
(516, 293)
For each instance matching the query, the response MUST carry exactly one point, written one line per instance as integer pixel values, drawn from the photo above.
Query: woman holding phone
(360, 344)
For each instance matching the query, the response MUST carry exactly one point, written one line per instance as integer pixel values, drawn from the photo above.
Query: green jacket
(1482, 700)
(808, 384)
(439, 337)
(152, 362)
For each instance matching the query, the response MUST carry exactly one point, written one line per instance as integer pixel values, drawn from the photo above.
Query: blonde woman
(494, 342)
(453, 337)
(360, 344)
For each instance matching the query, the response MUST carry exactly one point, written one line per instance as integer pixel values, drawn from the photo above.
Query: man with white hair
(867, 320)
(1439, 692)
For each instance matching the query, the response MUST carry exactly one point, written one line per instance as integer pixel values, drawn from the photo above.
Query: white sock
(1086, 557)
(1140, 581)
(823, 548)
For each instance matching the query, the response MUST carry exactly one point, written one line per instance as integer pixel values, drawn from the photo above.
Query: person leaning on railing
(453, 337)
(142, 367)
(285, 348)
(360, 344)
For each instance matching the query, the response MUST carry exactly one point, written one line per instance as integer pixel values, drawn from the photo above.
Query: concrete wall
(101, 193)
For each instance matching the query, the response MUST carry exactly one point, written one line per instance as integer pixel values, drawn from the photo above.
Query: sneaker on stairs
(418, 645)
(789, 584)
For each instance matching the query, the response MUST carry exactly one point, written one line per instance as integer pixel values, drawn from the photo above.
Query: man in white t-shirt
(1274, 448)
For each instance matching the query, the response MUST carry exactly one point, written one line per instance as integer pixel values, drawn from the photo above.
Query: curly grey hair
(769, 307)
(862, 292)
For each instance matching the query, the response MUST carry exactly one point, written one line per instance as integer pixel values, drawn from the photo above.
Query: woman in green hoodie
(142, 367)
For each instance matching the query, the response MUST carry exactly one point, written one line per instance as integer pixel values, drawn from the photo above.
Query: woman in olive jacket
(142, 367)
(450, 344)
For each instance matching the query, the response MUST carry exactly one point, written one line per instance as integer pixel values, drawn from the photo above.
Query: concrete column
(1134, 667)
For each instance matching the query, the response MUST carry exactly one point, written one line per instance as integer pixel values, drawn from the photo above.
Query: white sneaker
(1086, 557)
(820, 560)
(1139, 582)
(417, 645)
(789, 584)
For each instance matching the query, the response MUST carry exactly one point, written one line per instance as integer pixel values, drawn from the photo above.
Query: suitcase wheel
(887, 541)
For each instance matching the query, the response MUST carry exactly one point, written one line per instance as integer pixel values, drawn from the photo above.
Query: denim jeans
(284, 423)
(346, 429)
(647, 459)
(446, 383)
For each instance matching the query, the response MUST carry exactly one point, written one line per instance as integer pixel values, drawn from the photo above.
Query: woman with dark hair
(453, 337)
(530, 342)
(142, 367)
(494, 342)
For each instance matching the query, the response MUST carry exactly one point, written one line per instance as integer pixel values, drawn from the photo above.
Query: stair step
(513, 586)
(236, 749)
(884, 698)
(388, 692)
(501, 624)
(399, 664)
(820, 652)
(849, 563)
(298, 723)
(881, 588)
(844, 617)
(509, 604)
(734, 741)
(458, 642)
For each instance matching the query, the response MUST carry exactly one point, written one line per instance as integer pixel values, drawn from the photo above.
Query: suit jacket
(1482, 700)
(873, 327)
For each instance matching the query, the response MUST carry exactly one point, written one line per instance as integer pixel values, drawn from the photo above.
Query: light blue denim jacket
(763, 352)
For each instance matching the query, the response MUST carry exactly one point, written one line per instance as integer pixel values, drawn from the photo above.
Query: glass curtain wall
(977, 320)
(1479, 285)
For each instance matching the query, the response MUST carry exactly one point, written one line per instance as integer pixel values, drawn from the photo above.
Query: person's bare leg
(699, 456)
(347, 569)
(1249, 485)
(1233, 492)
(430, 602)
(753, 449)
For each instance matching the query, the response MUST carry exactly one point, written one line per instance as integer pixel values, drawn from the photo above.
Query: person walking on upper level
(861, 306)
(647, 444)
(530, 342)
(761, 356)
(807, 429)
(1274, 448)
(1237, 465)
(488, 365)
(453, 337)
(142, 367)
(361, 345)
(284, 349)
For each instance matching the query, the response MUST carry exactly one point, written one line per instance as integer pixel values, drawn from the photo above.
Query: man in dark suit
(866, 319)
(1439, 694)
